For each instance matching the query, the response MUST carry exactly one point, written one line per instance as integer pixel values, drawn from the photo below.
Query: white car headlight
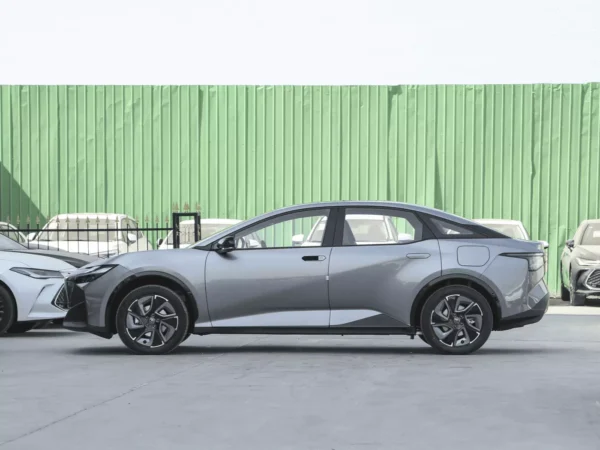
(41, 274)
(587, 262)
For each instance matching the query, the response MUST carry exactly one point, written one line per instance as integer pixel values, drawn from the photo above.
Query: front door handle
(313, 258)
(418, 255)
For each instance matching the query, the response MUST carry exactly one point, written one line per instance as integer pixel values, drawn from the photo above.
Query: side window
(380, 226)
(132, 224)
(447, 228)
(288, 230)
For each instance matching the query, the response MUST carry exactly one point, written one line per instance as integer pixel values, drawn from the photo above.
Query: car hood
(73, 259)
(83, 247)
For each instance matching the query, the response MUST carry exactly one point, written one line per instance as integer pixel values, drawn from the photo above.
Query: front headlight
(87, 275)
(587, 262)
(40, 274)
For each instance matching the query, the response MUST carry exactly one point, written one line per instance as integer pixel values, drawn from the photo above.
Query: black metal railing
(104, 235)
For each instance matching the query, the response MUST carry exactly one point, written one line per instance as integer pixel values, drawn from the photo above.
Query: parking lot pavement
(535, 387)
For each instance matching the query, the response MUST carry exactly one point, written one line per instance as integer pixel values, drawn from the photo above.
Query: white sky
(300, 42)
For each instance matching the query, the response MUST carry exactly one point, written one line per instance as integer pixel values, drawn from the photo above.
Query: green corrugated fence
(526, 152)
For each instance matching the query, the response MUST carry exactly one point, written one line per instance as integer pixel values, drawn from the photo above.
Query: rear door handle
(418, 255)
(313, 258)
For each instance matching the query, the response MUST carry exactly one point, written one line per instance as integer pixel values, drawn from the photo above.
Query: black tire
(8, 310)
(423, 338)
(476, 325)
(576, 299)
(186, 337)
(565, 296)
(21, 327)
(152, 320)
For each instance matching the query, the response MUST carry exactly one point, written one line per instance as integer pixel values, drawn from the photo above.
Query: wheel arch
(145, 279)
(463, 280)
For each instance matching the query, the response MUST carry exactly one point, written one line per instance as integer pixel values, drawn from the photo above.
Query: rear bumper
(528, 317)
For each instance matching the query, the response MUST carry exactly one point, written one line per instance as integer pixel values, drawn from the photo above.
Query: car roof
(590, 221)
(211, 221)
(499, 221)
(348, 204)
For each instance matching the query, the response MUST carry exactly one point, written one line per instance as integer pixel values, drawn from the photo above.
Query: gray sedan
(448, 280)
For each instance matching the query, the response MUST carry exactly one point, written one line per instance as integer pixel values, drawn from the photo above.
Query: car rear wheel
(152, 320)
(456, 320)
(8, 311)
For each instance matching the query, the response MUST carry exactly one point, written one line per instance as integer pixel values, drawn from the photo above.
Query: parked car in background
(208, 227)
(10, 231)
(580, 264)
(368, 229)
(450, 289)
(511, 228)
(31, 285)
(99, 234)
(514, 229)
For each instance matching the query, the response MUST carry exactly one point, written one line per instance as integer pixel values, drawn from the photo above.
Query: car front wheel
(456, 320)
(8, 312)
(152, 320)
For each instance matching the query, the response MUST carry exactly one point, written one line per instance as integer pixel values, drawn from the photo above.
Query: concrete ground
(534, 387)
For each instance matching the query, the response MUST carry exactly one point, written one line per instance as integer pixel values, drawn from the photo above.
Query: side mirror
(545, 244)
(225, 245)
(132, 237)
(31, 236)
(297, 240)
(570, 243)
(159, 242)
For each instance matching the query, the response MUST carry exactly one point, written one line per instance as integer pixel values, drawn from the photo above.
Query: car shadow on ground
(36, 334)
(309, 349)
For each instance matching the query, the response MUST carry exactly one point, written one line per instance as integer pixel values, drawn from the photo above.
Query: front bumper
(588, 283)
(77, 315)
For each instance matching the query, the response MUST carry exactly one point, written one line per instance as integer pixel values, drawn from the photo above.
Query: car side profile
(580, 264)
(452, 284)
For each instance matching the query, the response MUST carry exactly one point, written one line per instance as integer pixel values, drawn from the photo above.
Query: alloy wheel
(151, 321)
(457, 320)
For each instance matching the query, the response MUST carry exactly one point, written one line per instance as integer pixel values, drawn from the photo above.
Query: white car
(10, 231)
(368, 229)
(31, 283)
(511, 228)
(99, 234)
(208, 227)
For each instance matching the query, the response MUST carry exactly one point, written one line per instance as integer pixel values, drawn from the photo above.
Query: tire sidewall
(178, 305)
(10, 311)
(432, 302)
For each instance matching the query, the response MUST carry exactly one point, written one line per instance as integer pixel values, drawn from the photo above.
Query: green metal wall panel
(527, 152)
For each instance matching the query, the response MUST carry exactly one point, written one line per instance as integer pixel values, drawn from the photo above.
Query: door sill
(307, 330)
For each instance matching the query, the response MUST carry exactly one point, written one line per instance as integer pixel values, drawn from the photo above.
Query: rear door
(374, 285)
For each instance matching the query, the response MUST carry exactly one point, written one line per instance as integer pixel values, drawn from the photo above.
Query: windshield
(10, 233)
(8, 244)
(509, 229)
(186, 232)
(102, 230)
(591, 236)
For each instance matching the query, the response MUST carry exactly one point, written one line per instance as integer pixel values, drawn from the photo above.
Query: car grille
(593, 280)
(61, 300)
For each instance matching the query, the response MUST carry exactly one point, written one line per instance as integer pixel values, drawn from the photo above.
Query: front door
(273, 282)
